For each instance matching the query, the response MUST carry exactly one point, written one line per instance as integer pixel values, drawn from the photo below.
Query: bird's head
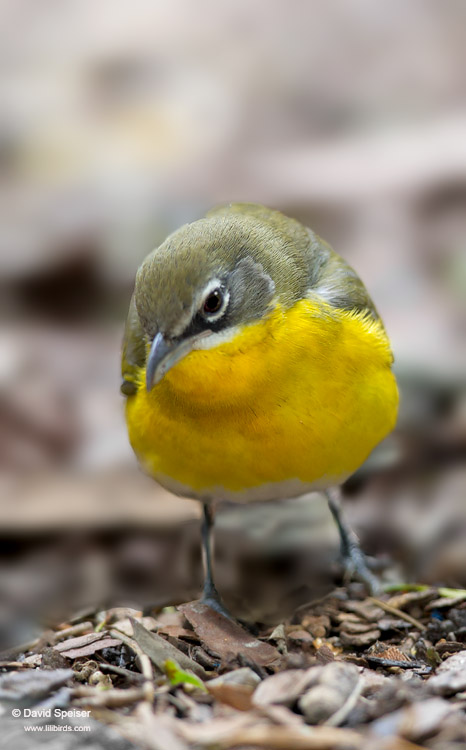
(194, 290)
(212, 277)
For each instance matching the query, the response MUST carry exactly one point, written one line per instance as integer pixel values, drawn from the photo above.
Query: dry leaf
(392, 653)
(159, 650)
(225, 638)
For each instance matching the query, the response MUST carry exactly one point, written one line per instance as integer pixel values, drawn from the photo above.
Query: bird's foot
(211, 598)
(357, 566)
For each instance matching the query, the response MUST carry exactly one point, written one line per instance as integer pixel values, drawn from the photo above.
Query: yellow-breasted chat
(255, 366)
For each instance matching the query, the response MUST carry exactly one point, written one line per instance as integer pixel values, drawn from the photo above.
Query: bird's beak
(164, 354)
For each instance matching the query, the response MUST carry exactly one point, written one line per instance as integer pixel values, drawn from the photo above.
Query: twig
(144, 661)
(10, 653)
(113, 698)
(408, 664)
(397, 612)
(340, 715)
(298, 738)
(122, 672)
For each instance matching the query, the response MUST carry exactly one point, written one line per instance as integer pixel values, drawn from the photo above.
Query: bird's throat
(229, 375)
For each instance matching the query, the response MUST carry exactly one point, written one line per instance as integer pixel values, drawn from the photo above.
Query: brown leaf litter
(345, 672)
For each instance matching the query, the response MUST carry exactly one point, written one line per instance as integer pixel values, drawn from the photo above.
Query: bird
(255, 367)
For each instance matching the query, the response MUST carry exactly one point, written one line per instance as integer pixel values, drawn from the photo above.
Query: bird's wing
(133, 356)
(332, 278)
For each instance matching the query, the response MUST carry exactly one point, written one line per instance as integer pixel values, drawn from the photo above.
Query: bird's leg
(354, 558)
(210, 595)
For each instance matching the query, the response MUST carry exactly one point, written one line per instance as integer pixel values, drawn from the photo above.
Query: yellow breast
(293, 402)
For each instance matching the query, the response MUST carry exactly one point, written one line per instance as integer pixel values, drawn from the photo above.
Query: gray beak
(156, 361)
(164, 354)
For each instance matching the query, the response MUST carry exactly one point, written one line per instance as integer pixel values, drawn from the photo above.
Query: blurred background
(118, 123)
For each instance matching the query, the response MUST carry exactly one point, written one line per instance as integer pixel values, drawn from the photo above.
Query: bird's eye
(213, 302)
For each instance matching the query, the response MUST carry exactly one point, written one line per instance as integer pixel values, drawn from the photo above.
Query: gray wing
(332, 278)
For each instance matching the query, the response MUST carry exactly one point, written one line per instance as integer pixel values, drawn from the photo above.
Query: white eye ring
(221, 295)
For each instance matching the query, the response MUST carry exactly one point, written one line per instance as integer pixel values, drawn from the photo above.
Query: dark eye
(213, 302)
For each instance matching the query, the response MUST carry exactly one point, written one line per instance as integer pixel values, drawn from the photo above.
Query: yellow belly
(293, 402)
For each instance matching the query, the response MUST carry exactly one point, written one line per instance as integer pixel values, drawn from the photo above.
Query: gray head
(205, 275)
(205, 280)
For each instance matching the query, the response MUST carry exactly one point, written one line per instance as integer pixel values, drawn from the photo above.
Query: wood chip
(90, 645)
(360, 640)
(335, 684)
(356, 627)
(32, 685)
(236, 696)
(445, 647)
(366, 609)
(445, 602)
(317, 625)
(175, 631)
(299, 637)
(150, 623)
(451, 675)
(324, 654)
(414, 722)
(408, 598)
(423, 718)
(285, 687)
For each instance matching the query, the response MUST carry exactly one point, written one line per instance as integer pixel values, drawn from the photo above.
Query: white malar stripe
(218, 338)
